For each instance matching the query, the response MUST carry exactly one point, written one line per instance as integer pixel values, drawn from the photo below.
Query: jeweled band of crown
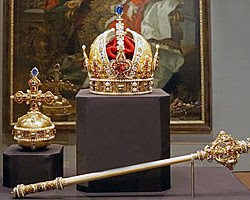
(120, 76)
(34, 129)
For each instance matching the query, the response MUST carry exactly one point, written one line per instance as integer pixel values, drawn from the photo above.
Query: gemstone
(134, 68)
(34, 72)
(107, 84)
(134, 84)
(134, 89)
(107, 89)
(119, 9)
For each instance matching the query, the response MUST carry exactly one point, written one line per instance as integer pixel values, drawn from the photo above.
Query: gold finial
(156, 57)
(86, 60)
(225, 150)
(34, 97)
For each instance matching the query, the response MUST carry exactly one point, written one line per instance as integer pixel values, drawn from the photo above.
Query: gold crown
(34, 129)
(120, 75)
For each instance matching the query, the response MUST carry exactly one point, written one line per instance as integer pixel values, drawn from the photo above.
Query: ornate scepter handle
(22, 190)
(224, 150)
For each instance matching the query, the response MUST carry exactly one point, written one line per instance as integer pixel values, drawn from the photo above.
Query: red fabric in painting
(50, 4)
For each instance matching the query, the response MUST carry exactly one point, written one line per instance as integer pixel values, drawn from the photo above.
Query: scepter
(224, 150)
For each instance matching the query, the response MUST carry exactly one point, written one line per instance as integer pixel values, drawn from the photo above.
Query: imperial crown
(120, 61)
(34, 129)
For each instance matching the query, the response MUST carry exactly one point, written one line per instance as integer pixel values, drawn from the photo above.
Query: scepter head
(224, 149)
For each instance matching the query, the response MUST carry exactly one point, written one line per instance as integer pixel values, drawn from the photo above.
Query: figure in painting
(161, 25)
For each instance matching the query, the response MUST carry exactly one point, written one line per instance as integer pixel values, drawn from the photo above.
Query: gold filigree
(34, 97)
(22, 190)
(224, 150)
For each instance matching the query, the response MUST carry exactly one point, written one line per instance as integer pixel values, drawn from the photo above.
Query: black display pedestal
(117, 131)
(24, 167)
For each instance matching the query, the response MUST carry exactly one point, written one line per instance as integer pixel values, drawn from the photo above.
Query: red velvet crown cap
(129, 44)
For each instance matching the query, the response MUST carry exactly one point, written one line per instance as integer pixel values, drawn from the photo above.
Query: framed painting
(49, 34)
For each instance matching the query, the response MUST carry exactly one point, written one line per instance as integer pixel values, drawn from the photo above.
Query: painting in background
(49, 34)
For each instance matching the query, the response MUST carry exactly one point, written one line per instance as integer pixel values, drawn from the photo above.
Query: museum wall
(230, 33)
(231, 69)
(231, 66)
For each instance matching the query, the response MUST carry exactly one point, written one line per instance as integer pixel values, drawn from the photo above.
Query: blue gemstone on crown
(34, 72)
(119, 9)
